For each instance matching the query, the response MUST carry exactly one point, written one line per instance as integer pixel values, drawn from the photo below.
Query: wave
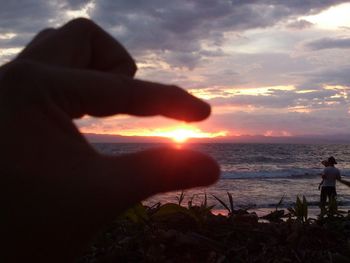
(288, 173)
(265, 159)
(257, 161)
(284, 205)
(296, 173)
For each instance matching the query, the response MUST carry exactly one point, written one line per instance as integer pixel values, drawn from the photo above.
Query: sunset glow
(267, 68)
(182, 134)
(178, 133)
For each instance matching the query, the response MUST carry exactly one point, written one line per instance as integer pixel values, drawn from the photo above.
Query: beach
(181, 231)
(259, 195)
(249, 215)
(259, 175)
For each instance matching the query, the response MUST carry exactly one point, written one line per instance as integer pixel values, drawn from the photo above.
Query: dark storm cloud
(328, 43)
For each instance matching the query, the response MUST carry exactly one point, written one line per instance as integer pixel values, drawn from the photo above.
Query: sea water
(258, 175)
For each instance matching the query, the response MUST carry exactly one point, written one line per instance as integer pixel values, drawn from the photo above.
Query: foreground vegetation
(174, 233)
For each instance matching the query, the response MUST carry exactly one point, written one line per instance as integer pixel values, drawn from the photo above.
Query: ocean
(258, 175)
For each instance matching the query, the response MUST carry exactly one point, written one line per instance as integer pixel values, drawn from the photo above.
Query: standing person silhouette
(56, 191)
(325, 164)
(329, 176)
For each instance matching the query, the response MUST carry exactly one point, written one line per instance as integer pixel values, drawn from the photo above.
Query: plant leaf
(231, 201)
(280, 201)
(222, 202)
(171, 209)
(136, 214)
(305, 208)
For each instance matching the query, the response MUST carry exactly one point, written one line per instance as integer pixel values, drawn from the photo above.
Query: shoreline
(256, 194)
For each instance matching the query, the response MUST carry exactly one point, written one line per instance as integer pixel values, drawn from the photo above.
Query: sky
(267, 67)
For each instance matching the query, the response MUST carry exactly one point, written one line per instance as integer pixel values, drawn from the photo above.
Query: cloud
(26, 16)
(179, 27)
(300, 7)
(182, 27)
(14, 41)
(76, 4)
(300, 24)
(330, 121)
(188, 60)
(330, 76)
(328, 43)
(285, 100)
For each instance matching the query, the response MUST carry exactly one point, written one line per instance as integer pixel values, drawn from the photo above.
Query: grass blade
(280, 202)
(231, 201)
(223, 203)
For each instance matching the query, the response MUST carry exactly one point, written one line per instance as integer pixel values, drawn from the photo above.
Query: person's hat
(332, 160)
(325, 162)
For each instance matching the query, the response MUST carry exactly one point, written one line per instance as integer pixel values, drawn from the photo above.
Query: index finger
(81, 44)
(79, 92)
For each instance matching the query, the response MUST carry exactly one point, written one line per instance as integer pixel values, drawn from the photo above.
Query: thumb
(140, 175)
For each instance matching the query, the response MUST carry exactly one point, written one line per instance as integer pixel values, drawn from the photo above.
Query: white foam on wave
(287, 173)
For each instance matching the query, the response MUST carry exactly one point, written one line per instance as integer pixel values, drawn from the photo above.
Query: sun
(183, 133)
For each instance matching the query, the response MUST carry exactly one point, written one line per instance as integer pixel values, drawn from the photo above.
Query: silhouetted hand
(56, 192)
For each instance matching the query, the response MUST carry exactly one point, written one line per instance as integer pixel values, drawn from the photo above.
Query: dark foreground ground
(173, 233)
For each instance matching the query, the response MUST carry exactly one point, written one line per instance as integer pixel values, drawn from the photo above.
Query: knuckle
(16, 78)
(15, 71)
(129, 67)
(45, 32)
(81, 22)
(132, 67)
(175, 90)
(36, 45)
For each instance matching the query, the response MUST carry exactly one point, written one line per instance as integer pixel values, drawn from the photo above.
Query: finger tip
(197, 169)
(209, 172)
(185, 106)
(205, 110)
(168, 169)
(200, 111)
